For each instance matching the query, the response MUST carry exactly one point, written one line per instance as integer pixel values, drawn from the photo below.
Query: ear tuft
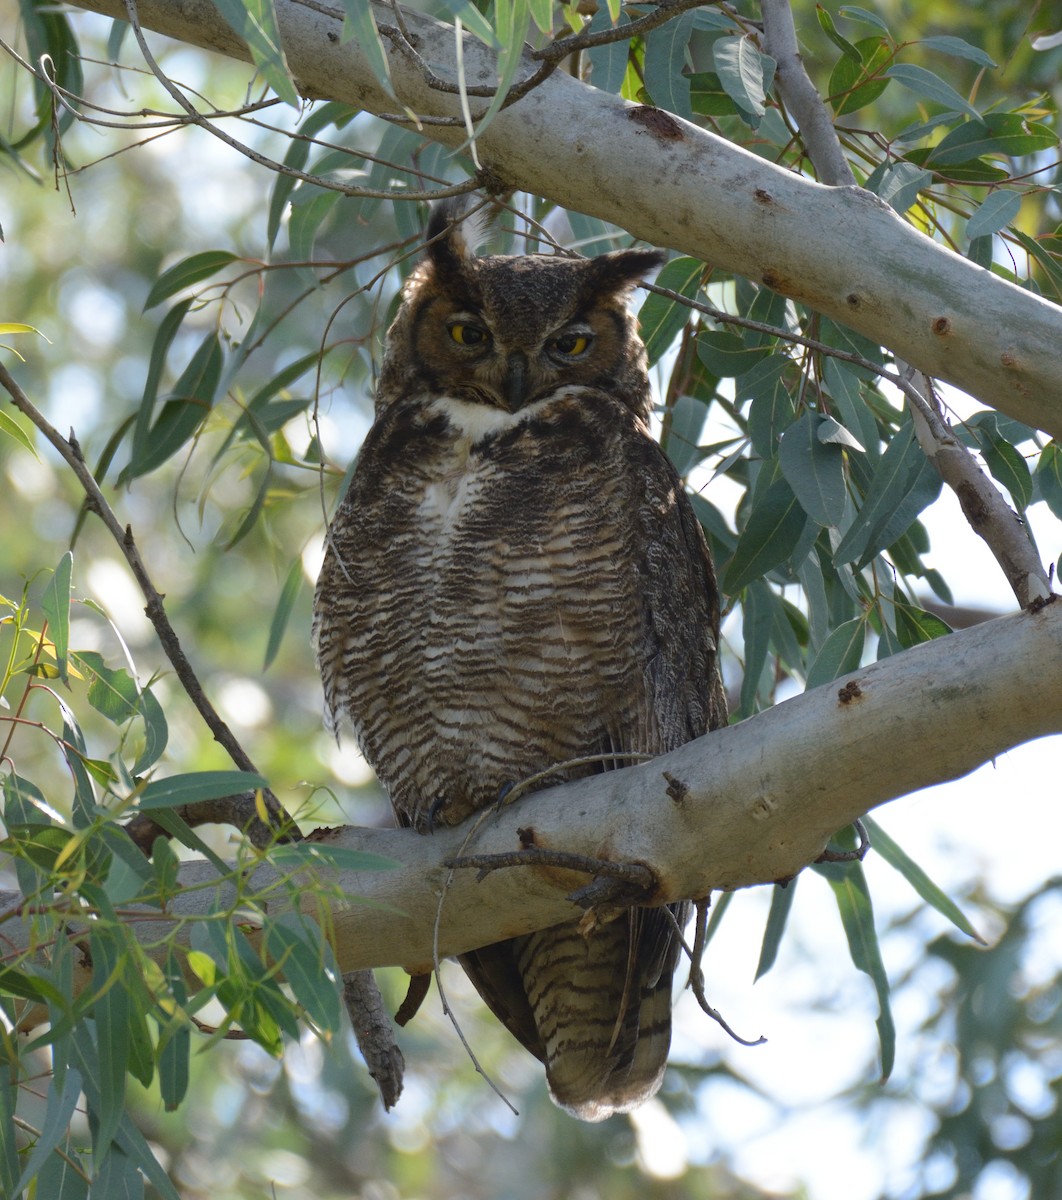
(454, 233)
(622, 270)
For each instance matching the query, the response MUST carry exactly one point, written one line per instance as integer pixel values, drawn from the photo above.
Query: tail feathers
(602, 1012)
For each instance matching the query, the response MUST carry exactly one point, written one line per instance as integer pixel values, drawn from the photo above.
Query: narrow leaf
(781, 903)
(360, 24)
(15, 431)
(814, 469)
(288, 595)
(111, 1013)
(197, 785)
(857, 915)
(998, 210)
(183, 413)
(901, 861)
(1049, 477)
(61, 1104)
(187, 272)
(928, 86)
(661, 318)
(55, 604)
(309, 969)
(770, 534)
(256, 22)
(156, 731)
(840, 654)
(957, 48)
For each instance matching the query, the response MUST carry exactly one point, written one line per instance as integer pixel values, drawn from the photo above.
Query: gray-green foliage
(244, 345)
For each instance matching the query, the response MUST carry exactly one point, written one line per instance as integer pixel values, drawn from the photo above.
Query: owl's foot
(437, 805)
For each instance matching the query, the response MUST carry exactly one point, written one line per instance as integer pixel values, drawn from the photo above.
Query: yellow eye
(571, 344)
(469, 335)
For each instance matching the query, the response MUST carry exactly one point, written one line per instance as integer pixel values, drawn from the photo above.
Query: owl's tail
(602, 1005)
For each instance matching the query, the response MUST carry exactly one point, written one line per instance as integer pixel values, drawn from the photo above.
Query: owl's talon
(437, 805)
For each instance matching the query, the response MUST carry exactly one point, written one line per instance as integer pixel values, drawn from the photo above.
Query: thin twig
(696, 979)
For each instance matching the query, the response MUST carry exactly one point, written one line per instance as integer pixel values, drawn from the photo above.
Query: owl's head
(507, 330)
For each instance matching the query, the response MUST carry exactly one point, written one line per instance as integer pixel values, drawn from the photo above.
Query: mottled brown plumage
(516, 579)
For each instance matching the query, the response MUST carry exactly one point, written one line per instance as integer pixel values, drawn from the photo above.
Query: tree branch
(839, 250)
(742, 806)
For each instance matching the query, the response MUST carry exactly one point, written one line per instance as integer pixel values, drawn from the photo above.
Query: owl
(516, 580)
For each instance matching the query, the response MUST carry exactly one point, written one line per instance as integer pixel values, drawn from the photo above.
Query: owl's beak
(516, 380)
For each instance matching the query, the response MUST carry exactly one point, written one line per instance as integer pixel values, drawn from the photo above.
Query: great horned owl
(516, 579)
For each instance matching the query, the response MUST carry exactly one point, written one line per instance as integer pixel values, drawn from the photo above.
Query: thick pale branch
(840, 250)
(745, 805)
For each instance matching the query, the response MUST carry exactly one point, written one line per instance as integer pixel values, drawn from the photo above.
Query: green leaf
(781, 902)
(772, 410)
(111, 1011)
(175, 1039)
(183, 412)
(288, 595)
(861, 14)
(156, 731)
(15, 431)
(898, 184)
(726, 354)
(114, 693)
(928, 86)
(1007, 464)
(186, 273)
(196, 785)
(8, 1143)
(914, 626)
(899, 860)
(771, 533)
(167, 331)
(28, 987)
(757, 610)
(55, 604)
(59, 1178)
(814, 470)
(511, 24)
(661, 319)
(957, 48)
(1004, 135)
(61, 1104)
(840, 654)
(903, 483)
(360, 24)
(684, 432)
(744, 73)
(1049, 477)
(608, 62)
(854, 85)
(665, 57)
(309, 968)
(830, 30)
(857, 915)
(998, 210)
(117, 1178)
(256, 23)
